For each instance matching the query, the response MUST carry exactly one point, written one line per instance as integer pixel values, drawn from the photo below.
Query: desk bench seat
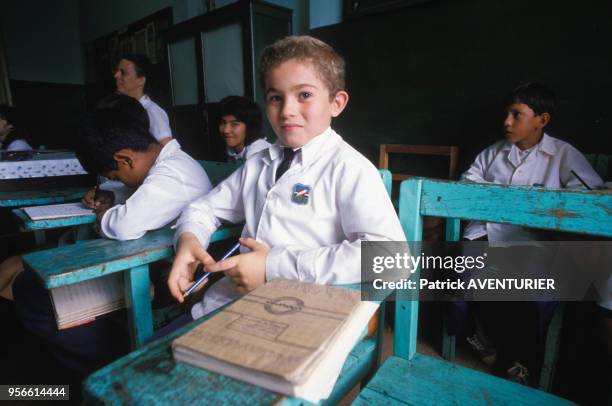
(425, 380)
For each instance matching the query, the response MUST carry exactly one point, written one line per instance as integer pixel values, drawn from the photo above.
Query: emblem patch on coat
(301, 193)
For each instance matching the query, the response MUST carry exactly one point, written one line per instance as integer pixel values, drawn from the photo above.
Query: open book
(288, 336)
(82, 302)
(54, 211)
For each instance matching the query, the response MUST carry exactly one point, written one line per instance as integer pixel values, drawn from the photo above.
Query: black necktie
(288, 154)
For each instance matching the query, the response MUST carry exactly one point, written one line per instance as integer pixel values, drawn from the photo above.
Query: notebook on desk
(55, 211)
(84, 301)
(290, 337)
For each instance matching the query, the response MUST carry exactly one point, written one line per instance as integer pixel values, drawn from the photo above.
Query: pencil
(207, 274)
(96, 189)
(580, 179)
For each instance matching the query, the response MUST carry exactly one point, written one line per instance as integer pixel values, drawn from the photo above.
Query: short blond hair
(328, 64)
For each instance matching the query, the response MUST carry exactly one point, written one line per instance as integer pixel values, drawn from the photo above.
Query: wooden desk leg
(39, 238)
(83, 232)
(138, 301)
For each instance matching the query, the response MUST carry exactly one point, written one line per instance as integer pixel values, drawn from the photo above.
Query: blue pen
(207, 274)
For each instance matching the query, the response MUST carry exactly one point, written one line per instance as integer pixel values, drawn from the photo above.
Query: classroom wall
(436, 73)
(41, 48)
(43, 38)
(98, 18)
(324, 12)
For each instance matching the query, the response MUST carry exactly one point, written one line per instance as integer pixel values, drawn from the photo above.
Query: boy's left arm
(155, 204)
(573, 160)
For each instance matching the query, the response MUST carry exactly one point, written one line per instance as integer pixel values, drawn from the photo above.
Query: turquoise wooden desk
(39, 227)
(151, 376)
(409, 378)
(34, 198)
(95, 258)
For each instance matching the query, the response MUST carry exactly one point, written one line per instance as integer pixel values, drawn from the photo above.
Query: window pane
(184, 72)
(223, 63)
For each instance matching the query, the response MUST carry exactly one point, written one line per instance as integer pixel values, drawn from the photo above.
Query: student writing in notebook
(114, 143)
(241, 128)
(164, 179)
(308, 201)
(528, 156)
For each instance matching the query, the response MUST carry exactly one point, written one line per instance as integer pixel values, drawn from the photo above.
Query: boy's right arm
(476, 172)
(196, 225)
(189, 254)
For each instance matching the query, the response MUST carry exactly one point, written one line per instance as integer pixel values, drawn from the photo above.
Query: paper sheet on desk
(54, 211)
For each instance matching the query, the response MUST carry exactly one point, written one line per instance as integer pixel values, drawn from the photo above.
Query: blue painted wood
(386, 176)
(579, 211)
(34, 197)
(407, 311)
(150, 375)
(40, 238)
(137, 293)
(95, 258)
(218, 171)
(453, 230)
(428, 381)
(551, 349)
(27, 224)
(413, 379)
(91, 259)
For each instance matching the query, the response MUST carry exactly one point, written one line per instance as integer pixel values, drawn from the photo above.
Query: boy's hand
(188, 255)
(247, 271)
(104, 198)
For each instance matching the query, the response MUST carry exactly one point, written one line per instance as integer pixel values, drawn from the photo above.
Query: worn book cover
(279, 334)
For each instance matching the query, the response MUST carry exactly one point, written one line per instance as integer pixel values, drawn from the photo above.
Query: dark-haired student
(528, 156)
(12, 137)
(133, 78)
(114, 143)
(241, 128)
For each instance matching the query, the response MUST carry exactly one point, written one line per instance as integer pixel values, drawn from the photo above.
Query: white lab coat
(174, 181)
(159, 125)
(316, 239)
(549, 164)
(249, 150)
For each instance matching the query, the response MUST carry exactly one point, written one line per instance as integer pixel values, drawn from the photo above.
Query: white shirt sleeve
(19, 145)
(476, 172)
(573, 160)
(366, 214)
(157, 202)
(203, 216)
(159, 125)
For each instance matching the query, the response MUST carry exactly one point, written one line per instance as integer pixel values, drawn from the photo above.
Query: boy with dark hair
(12, 134)
(308, 201)
(114, 143)
(528, 157)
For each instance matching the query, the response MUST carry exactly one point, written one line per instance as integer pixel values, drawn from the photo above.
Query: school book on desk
(82, 302)
(288, 336)
(55, 211)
